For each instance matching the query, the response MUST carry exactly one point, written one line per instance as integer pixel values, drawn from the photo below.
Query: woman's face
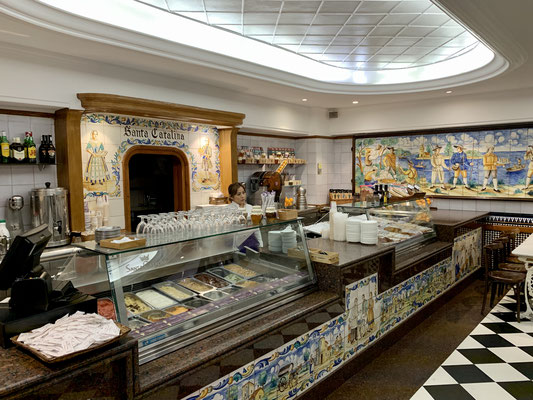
(240, 197)
(94, 135)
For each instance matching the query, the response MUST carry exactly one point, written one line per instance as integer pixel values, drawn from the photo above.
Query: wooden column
(69, 164)
(228, 158)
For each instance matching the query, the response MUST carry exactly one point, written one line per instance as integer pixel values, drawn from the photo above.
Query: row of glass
(189, 224)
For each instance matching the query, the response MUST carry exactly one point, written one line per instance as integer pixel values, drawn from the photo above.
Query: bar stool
(504, 254)
(512, 234)
(495, 276)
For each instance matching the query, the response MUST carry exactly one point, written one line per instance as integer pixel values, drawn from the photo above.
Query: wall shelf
(41, 166)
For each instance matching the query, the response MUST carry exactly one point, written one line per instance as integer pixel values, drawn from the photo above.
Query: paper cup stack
(353, 230)
(288, 239)
(339, 227)
(274, 241)
(369, 232)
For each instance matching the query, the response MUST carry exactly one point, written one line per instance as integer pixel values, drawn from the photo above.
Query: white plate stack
(288, 239)
(353, 230)
(369, 232)
(274, 241)
(106, 232)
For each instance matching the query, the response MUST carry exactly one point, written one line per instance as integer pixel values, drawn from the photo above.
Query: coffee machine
(50, 206)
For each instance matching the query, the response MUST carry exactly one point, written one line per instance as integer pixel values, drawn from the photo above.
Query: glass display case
(406, 224)
(174, 293)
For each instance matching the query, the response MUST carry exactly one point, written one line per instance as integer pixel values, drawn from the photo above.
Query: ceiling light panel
(358, 35)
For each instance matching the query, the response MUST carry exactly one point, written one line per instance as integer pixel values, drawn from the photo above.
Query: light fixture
(448, 91)
(355, 102)
(304, 99)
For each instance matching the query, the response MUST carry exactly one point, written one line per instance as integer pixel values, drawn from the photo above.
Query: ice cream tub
(237, 269)
(136, 323)
(177, 309)
(155, 299)
(195, 286)
(196, 302)
(225, 274)
(212, 280)
(178, 293)
(261, 279)
(231, 289)
(247, 284)
(134, 304)
(155, 315)
(214, 295)
(106, 308)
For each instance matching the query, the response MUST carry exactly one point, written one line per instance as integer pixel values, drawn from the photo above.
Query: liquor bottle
(25, 144)
(4, 145)
(17, 151)
(31, 149)
(51, 151)
(386, 195)
(43, 150)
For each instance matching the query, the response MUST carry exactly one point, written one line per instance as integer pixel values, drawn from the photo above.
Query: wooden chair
(513, 243)
(495, 276)
(504, 263)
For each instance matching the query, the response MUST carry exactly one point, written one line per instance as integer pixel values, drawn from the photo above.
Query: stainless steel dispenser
(50, 206)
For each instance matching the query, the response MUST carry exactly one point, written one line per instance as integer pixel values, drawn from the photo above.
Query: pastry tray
(43, 357)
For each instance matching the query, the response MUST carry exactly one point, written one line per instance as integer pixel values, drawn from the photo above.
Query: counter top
(159, 371)
(454, 218)
(20, 371)
(525, 249)
(350, 253)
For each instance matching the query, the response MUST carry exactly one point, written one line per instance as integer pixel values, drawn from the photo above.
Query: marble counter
(456, 218)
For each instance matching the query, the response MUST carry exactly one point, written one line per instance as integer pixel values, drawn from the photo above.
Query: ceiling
(356, 35)
(504, 26)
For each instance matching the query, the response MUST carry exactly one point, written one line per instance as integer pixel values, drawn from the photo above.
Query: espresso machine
(50, 206)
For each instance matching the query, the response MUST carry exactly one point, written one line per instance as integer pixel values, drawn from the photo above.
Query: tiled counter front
(299, 364)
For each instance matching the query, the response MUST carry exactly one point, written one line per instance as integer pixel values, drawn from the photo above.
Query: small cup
(256, 218)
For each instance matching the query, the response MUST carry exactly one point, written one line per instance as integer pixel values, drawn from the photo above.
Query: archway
(164, 166)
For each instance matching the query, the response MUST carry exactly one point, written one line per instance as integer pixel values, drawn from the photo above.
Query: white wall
(21, 179)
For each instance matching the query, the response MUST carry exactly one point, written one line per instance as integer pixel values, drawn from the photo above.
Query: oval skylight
(361, 45)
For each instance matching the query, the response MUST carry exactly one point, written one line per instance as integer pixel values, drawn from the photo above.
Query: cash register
(35, 299)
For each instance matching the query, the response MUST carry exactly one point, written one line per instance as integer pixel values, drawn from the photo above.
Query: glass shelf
(94, 247)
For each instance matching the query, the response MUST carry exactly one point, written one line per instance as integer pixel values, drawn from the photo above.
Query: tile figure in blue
(529, 157)
(438, 165)
(459, 163)
(490, 168)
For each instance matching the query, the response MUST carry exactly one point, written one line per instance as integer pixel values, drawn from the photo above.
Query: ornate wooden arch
(182, 198)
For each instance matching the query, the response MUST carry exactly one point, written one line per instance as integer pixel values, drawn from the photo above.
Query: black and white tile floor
(494, 362)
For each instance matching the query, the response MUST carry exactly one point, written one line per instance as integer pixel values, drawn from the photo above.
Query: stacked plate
(288, 239)
(274, 241)
(353, 230)
(369, 232)
(106, 232)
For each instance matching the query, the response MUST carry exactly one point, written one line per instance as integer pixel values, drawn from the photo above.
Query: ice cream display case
(406, 224)
(173, 293)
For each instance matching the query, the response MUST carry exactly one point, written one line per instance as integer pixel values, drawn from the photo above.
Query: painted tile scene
(482, 164)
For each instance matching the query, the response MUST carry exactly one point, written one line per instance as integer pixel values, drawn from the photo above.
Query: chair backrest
(504, 239)
(512, 238)
(492, 256)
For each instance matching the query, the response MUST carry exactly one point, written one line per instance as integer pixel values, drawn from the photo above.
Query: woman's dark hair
(234, 188)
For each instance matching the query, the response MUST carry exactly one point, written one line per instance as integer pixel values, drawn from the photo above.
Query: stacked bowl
(369, 232)
(353, 230)
(288, 239)
(274, 241)
(106, 232)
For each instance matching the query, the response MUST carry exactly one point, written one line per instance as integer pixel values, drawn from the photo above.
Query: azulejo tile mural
(482, 164)
(299, 364)
(106, 138)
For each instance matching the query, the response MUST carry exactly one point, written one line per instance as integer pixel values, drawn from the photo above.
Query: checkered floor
(494, 362)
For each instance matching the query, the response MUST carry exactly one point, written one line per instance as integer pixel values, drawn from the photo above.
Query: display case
(173, 293)
(406, 224)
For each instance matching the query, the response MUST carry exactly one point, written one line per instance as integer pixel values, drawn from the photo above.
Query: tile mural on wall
(106, 137)
(482, 164)
(299, 364)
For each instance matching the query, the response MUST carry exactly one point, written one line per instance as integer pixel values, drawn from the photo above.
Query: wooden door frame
(183, 200)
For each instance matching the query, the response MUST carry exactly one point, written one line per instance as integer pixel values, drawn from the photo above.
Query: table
(524, 252)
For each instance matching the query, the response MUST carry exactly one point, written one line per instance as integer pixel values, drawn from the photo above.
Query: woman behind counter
(237, 195)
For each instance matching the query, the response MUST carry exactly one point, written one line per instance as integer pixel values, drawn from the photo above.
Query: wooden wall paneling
(228, 158)
(69, 163)
(27, 113)
(110, 103)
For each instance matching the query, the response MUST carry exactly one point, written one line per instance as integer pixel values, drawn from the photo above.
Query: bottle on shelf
(43, 150)
(31, 150)
(51, 151)
(376, 196)
(386, 194)
(17, 151)
(4, 145)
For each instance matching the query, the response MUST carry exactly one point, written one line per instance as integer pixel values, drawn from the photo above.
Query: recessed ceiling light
(355, 102)
(304, 99)
(448, 91)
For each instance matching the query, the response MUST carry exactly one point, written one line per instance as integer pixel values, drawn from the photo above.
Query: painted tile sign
(107, 137)
(483, 164)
